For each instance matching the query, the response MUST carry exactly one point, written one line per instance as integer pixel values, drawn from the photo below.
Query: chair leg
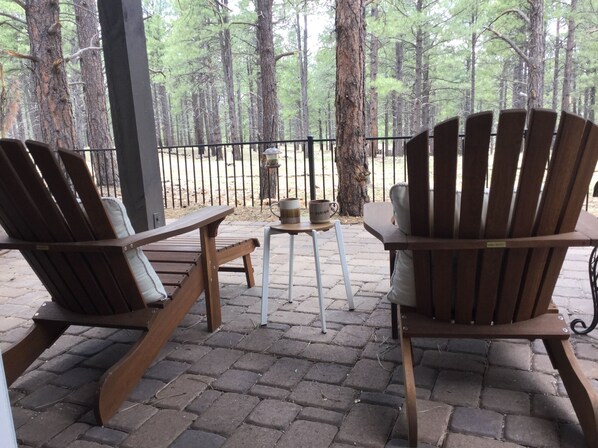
(248, 271)
(119, 381)
(583, 396)
(20, 356)
(394, 320)
(410, 393)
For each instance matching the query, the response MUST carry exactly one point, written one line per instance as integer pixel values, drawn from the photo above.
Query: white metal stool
(312, 230)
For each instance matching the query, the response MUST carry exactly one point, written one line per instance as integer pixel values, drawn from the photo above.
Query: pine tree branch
(512, 44)
(21, 3)
(13, 17)
(515, 11)
(14, 54)
(13, 26)
(282, 55)
(78, 54)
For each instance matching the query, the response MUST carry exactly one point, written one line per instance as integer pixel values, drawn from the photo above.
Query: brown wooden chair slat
(72, 247)
(419, 208)
(446, 143)
(504, 171)
(475, 165)
(533, 168)
(505, 263)
(227, 250)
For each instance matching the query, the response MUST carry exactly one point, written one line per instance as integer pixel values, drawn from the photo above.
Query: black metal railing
(229, 173)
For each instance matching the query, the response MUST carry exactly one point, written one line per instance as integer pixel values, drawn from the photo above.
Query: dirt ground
(254, 214)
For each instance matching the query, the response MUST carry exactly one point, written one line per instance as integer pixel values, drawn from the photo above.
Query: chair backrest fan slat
(478, 128)
(446, 141)
(107, 297)
(533, 168)
(542, 196)
(509, 139)
(38, 204)
(419, 208)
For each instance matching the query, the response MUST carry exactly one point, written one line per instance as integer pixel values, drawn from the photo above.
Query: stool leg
(291, 260)
(341, 252)
(314, 237)
(265, 275)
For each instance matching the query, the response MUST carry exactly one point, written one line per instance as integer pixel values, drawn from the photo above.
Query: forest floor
(253, 214)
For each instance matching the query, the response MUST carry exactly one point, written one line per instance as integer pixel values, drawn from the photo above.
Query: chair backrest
(49, 196)
(530, 184)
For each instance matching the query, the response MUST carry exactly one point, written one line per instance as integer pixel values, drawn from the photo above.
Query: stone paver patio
(287, 384)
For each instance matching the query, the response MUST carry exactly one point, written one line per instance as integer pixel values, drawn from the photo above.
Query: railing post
(312, 167)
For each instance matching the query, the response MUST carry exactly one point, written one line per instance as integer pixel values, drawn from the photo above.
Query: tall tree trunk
(197, 120)
(166, 119)
(592, 105)
(96, 112)
(518, 100)
(49, 73)
(269, 96)
(416, 122)
(555, 76)
(215, 129)
(304, 81)
(426, 91)
(535, 85)
(157, 117)
(303, 119)
(397, 104)
(502, 93)
(374, 46)
(353, 173)
(473, 57)
(229, 84)
(252, 112)
(239, 111)
(570, 47)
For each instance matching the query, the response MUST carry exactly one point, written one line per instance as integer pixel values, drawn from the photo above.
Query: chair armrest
(201, 218)
(377, 221)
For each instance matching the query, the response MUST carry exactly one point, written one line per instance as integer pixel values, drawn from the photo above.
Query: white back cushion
(146, 278)
(402, 282)
(402, 287)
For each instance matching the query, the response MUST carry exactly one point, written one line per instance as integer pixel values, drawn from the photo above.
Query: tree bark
(535, 85)
(518, 100)
(166, 119)
(570, 47)
(374, 47)
(555, 76)
(215, 134)
(397, 103)
(49, 74)
(351, 160)
(473, 57)
(303, 121)
(96, 112)
(197, 122)
(269, 96)
(426, 90)
(416, 122)
(227, 65)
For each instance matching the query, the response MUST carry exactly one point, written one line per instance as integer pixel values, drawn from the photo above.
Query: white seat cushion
(147, 280)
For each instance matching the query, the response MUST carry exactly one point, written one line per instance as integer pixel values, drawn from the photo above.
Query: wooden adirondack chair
(55, 217)
(493, 276)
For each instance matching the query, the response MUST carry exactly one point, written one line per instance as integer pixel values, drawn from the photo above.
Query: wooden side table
(312, 230)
